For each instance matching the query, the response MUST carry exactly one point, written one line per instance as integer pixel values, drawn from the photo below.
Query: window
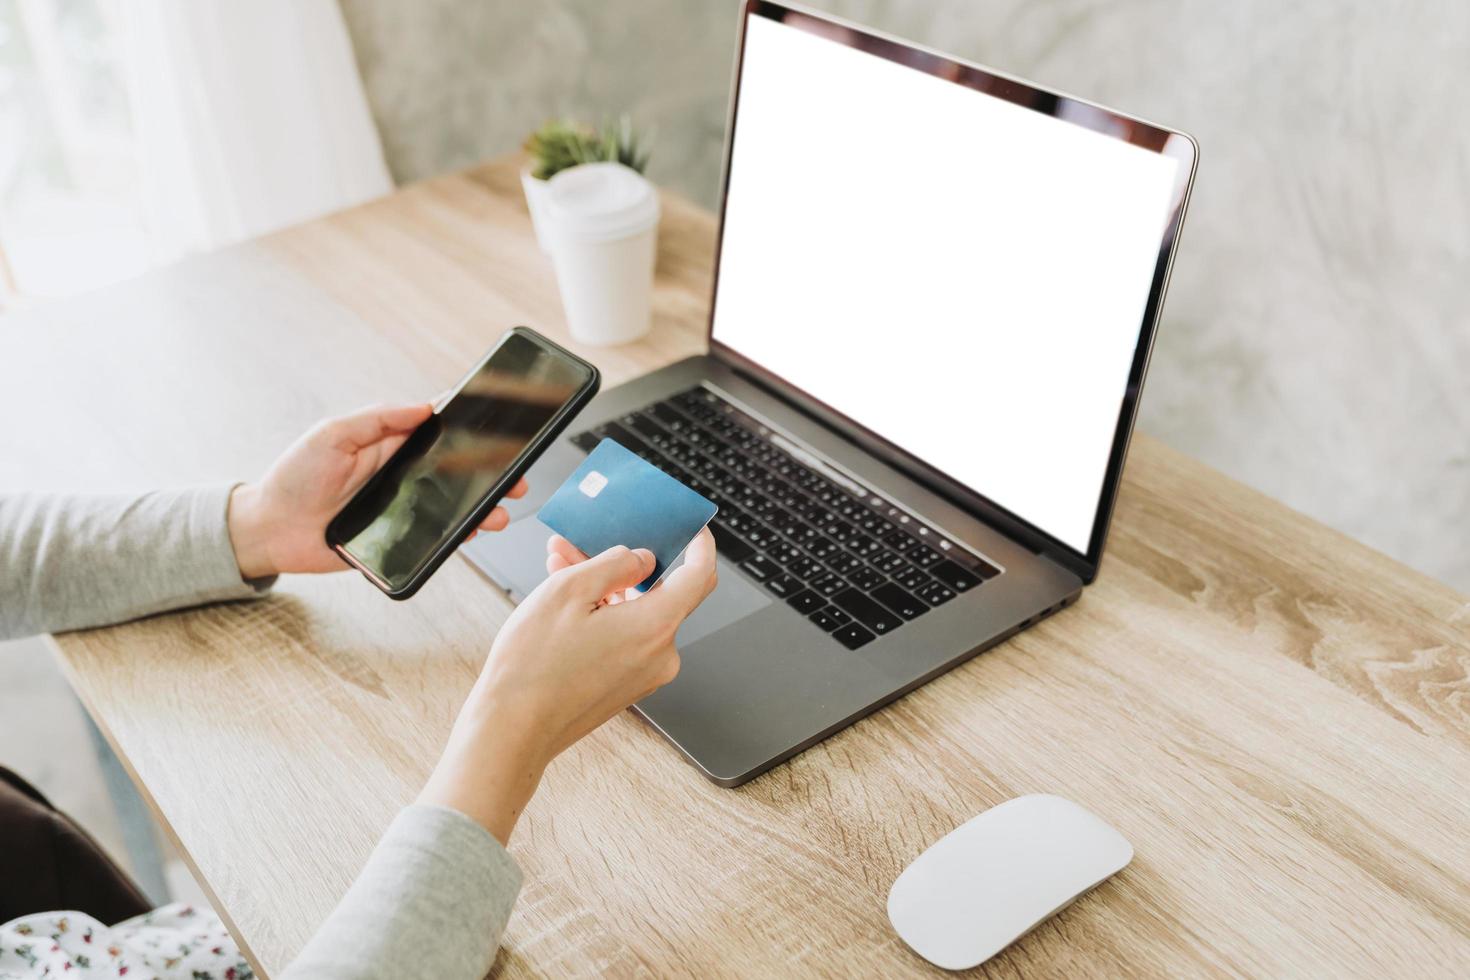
(70, 218)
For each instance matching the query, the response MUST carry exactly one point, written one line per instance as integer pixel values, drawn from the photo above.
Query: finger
(570, 553)
(472, 535)
(519, 490)
(614, 570)
(688, 585)
(379, 453)
(497, 520)
(364, 428)
(555, 563)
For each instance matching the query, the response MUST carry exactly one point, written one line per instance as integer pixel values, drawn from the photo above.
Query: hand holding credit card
(617, 498)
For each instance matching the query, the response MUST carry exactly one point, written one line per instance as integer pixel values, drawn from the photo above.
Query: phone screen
(447, 467)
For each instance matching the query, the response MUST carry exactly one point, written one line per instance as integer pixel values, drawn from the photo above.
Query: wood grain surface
(1276, 717)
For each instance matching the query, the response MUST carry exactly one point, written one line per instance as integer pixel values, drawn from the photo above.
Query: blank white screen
(963, 276)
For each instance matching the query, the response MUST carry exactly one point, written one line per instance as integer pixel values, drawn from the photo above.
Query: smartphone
(452, 471)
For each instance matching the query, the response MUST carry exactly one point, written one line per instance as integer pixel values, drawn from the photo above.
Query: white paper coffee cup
(603, 223)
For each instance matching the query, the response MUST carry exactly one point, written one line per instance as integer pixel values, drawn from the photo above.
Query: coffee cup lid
(601, 202)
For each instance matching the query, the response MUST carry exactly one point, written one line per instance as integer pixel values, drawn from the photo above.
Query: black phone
(452, 471)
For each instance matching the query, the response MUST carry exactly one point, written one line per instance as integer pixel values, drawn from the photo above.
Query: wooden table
(1277, 717)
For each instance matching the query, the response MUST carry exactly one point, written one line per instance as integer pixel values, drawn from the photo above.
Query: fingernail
(645, 556)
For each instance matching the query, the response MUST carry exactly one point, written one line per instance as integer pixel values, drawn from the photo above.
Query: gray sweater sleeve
(432, 901)
(79, 560)
(435, 896)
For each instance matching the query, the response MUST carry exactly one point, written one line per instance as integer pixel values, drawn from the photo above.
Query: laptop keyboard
(853, 563)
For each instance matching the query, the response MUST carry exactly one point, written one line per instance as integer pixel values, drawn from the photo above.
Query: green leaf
(563, 143)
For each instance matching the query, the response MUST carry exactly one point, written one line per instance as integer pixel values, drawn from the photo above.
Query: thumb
(688, 585)
(614, 570)
(363, 428)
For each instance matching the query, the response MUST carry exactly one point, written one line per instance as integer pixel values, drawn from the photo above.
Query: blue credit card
(616, 498)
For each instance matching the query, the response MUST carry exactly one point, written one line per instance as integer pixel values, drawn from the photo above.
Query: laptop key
(936, 593)
(671, 468)
(759, 535)
(888, 564)
(647, 428)
(952, 575)
(923, 555)
(783, 585)
(585, 441)
(808, 509)
(766, 481)
(820, 514)
(866, 579)
(834, 529)
(695, 396)
(785, 553)
(825, 620)
(853, 636)
(760, 568)
(907, 606)
(823, 548)
(897, 540)
(806, 536)
(910, 578)
(829, 585)
(671, 419)
(793, 532)
(867, 612)
(804, 568)
(729, 547)
(830, 495)
(788, 497)
(626, 439)
(807, 601)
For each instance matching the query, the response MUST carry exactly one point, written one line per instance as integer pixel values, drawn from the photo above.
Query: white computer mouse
(996, 877)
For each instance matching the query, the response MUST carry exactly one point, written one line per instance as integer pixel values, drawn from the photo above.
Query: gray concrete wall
(1316, 342)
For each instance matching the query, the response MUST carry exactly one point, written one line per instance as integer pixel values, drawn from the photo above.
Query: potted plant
(561, 144)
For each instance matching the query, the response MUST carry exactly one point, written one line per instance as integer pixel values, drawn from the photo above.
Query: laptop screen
(964, 276)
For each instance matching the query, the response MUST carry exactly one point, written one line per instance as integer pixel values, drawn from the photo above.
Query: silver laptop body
(936, 293)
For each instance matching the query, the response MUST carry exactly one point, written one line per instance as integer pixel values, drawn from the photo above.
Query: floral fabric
(175, 942)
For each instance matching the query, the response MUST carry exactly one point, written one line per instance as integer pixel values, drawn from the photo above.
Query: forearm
(432, 901)
(434, 898)
(77, 561)
(491, 765)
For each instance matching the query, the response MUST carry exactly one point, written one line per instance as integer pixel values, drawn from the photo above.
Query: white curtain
(249, 116)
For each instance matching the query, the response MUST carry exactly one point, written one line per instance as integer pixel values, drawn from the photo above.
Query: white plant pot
(535, 190)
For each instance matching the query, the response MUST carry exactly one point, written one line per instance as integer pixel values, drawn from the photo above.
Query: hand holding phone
(452, 470)
(276, 523)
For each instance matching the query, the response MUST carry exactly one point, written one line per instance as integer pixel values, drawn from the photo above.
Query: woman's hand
(280, 524)
(561, 553)
(565, 662)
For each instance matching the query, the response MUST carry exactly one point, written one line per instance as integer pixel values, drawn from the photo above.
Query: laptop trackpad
(734, 598)
(516, 559)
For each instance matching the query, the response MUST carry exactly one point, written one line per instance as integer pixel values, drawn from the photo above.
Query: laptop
(936, 291)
